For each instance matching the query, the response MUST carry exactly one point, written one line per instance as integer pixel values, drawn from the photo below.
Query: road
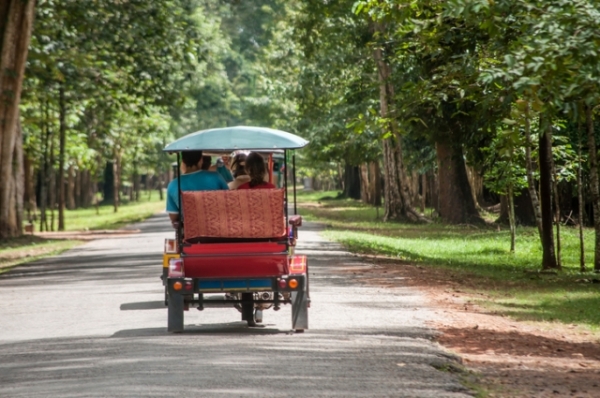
(91, 323)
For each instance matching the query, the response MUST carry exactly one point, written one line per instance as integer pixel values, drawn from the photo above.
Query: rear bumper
(235, 285)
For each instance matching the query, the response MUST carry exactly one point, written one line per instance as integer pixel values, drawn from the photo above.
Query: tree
(15, 31)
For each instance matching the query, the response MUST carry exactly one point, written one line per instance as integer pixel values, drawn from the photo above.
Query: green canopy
(239, 137)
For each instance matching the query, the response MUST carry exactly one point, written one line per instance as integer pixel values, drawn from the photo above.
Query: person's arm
(172, 199)
(222, 183)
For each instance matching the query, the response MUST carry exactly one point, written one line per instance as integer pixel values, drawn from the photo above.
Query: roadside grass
(29, 248)
(477, 257)
(32, 247)
(106, 218)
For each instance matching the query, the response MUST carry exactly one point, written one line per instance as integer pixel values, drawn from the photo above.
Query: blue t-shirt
(201, 180)
(225, 173)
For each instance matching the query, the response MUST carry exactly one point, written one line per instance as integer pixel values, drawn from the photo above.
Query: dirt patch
(510, 358)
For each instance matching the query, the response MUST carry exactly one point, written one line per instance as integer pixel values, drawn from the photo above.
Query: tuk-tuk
(235, 248)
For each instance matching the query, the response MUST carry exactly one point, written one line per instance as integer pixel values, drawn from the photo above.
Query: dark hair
(256, 168)
(191, 158)
(239, 165)
(206, 160)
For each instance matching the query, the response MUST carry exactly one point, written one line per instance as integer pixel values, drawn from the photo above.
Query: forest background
(455, 106)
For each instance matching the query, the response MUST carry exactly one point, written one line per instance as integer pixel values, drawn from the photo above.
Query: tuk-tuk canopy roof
(234, 138)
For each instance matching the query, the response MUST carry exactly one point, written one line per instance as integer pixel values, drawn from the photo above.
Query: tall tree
(16, 21)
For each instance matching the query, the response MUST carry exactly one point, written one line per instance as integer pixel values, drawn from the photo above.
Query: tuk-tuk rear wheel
(248, 308)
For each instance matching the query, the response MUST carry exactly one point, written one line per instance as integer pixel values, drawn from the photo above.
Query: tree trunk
(16, 22)
(17, 183)
(476, 183)
(434, 191)
(456, 200)
(391, 188)
(85, 188)
(117, 183)
(556, 204)
(397, 196)
(71, 188)
(375, 183)
(580, 202)
(108, 194)
(61, 157)
(29, 197)
(364, 184)
(136, 184)
(352, 182)
(52, 185)
(511, 218)
(594, 183)
(44, 169)
(529, 170)
(414, 187)
(159, 185)
(545, 158)
(423, 192)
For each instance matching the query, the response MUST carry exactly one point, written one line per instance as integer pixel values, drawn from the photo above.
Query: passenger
(206, 160)
(239, 171)
(256, 169)
(222, 169)
(193, 179)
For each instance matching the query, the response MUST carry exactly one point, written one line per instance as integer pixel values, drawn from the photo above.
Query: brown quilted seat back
(248, 213)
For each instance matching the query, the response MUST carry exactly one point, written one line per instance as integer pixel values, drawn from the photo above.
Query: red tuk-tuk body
(237, 246)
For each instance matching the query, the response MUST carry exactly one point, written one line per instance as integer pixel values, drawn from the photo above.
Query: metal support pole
(285, 184)
(180, 221)
(294, 180)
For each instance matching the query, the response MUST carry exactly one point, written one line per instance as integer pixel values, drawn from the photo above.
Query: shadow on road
(143, 305)
(232, 328)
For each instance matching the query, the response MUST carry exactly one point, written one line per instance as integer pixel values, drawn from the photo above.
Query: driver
(193, 179)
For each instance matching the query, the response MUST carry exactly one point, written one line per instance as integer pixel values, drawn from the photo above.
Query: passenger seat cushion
(251, 213)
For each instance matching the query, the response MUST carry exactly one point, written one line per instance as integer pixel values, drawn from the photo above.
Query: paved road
(91, 323)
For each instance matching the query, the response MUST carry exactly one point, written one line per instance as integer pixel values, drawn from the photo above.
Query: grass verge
(478, 257)
(32, 247)
(105, 218)
(29, 248)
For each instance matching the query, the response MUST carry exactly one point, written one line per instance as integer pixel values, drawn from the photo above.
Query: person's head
(206, 160)
(256, 168)
(191, 158)
(239, 165)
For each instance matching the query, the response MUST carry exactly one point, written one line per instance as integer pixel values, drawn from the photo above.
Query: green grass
(106, 218)
(477, 256)
(29, 248)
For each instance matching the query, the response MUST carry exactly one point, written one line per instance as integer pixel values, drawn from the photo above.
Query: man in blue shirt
(223, 170)
(193, 179)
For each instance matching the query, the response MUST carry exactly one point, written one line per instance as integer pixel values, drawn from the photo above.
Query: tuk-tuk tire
(248, 309)
(300, 310)
(175, 313)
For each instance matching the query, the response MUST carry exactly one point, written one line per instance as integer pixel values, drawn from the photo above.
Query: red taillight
(175, 268)
(282, 283)
(188, 285)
